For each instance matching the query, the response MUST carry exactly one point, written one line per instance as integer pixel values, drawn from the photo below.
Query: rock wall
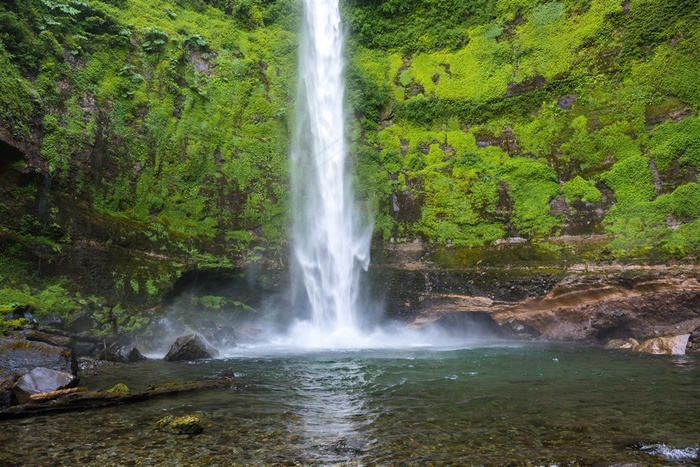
(572, 302)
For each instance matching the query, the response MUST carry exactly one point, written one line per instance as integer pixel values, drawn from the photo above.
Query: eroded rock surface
(588, 303)
(612, 304)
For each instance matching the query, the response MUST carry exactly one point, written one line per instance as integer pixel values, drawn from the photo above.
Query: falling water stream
(331, 247)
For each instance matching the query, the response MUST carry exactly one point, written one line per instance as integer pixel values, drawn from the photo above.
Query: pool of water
(490, 404)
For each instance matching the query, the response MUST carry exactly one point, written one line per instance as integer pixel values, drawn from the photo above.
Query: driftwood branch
(51, 395)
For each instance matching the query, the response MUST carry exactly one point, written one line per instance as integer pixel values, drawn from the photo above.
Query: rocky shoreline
(40, 369)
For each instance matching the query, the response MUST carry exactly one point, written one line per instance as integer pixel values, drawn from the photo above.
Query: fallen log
(76, 400)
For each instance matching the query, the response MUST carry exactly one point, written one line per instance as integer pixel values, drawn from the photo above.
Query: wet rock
(621, 344)
(86, 348)
(24, 311)
(41, 380)
(566, 102)
(187, 425)
(6, 396)
(674, 345)
(190, 347)
(611, 303)
(121, 354)
(53, 322)
(65, 400)
(51, 339)
(694, 340)
(18, 357)
(84, 322)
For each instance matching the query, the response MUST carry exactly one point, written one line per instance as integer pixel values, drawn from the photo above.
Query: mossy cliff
(143, 139)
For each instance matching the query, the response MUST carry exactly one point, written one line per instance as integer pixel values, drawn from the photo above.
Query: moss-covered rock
(119, 389)
(185, 425)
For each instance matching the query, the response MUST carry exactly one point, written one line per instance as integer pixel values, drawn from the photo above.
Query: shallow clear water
(493, 405)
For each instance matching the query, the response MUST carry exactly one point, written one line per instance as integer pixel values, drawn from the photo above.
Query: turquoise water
(488, 405)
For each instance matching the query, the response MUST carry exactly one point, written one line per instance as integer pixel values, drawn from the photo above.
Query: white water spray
(330, 245)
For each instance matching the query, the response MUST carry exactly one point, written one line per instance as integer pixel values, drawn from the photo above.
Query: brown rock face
(612, 304)
(590, 304)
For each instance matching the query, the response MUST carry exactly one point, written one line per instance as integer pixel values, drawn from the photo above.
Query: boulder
(674, 345)
(18, 357)
(187, 425)
(621, 343)
(121, 354)
(190, 347)
(41, 380)
(83, 322)
(86, 348)
(53, 322)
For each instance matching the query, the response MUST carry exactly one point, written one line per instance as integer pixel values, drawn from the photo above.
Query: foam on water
(670, 453)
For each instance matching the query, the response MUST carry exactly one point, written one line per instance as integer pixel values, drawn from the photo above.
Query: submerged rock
(187, 425)
(42, 380)
(190, 347)
(664, 345)
(621, 344)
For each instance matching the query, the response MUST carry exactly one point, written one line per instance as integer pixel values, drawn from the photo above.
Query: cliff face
(528, 298)
(140, 141)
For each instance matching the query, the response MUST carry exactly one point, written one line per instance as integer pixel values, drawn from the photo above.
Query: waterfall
(330, 245)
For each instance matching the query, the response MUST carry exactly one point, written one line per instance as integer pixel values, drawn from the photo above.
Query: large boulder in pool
(190, 347)
(41, 380)
(664, 345)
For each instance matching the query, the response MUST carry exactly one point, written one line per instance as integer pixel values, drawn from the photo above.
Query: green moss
(188, 424)
(16, 98)
(631, 181)
(585, 190)
(531, 185)
(56, 301)
(676, 143)
(11, 324)
(119, 389)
